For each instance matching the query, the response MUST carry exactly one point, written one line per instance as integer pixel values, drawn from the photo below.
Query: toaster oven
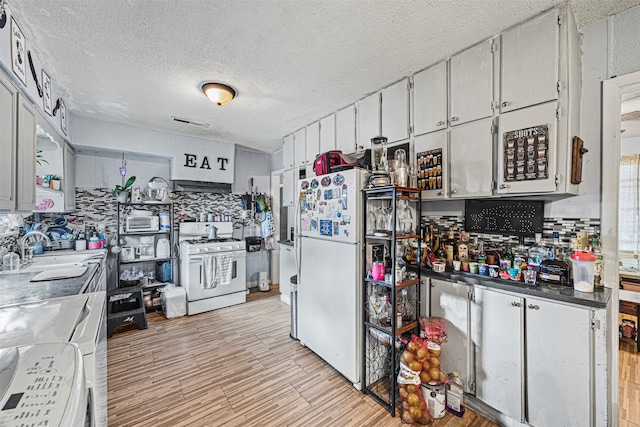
(142, 223)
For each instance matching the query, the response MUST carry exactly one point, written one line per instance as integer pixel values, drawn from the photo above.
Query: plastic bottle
(455, 395)
(94, 241)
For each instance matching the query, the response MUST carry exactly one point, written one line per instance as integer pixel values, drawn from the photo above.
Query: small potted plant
(122, 192)
(40, 158)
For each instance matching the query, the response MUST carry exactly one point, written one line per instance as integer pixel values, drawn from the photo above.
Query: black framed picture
(18, 52)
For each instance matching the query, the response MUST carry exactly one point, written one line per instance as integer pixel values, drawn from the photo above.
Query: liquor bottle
(449, 247)
(441, 254)
(597, 251)
(481, 256)
(520, 256)
(508, 256)
(463, 247)
(473, 250)
(555, 248)
(537, 253)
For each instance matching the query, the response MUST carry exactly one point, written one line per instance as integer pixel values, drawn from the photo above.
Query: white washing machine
(42, 385)
(80, 319)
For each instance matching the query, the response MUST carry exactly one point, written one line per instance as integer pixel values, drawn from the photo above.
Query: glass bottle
(520, 256)
(481, 256)
(555, 246)
(597, 251)
(440, 253)
(463, 247)
(508, 256)
(473, 249)
(537, 253)
(449, 247)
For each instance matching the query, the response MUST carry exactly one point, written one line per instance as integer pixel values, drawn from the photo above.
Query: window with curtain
(629, 206)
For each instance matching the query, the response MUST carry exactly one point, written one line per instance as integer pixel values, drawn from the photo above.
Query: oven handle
(198, 260)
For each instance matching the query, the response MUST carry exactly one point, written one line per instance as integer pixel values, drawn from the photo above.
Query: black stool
(125, 306)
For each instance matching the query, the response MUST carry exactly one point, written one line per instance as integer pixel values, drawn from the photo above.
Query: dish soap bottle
(455, 395)
(94, 241)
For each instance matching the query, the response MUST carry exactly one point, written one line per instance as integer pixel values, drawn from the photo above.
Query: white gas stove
(212, 271)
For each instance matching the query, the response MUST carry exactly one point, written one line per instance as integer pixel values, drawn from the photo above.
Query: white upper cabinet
(346, 129)
(8, 102)
(471, 84)
(395, 111)
(300, 145)
(328, 133)
(368, 120)
(530, 63)
(432, 162)
(288, 159)
(289, 185)
(313, 142)
(26, 134)
(527, 150)
(69, 175)
(430, 99)
(471, 157)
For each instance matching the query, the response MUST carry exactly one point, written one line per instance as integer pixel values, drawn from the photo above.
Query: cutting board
(59, 273)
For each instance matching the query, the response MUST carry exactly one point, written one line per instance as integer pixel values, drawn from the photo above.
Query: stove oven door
(195, 286)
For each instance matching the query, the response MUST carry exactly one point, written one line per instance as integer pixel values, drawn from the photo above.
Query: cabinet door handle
(504, 186)
(516, 304)
(534, 307)
(505, 104)
(440, 123)
(455, 118)
(453, 191)
(440, 193)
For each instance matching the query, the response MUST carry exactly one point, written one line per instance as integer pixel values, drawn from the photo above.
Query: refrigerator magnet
(314, 184)
(326, 181)
(326, 227)
(304, 185)
(336, 193)
(314, 225)
(346, 219)
(338, 180)
(328, 194)
(336, 229)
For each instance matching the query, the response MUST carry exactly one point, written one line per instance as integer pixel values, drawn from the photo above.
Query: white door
(329, 309)
(471, 84)
(496, 333)
(300, 145)
(328, 133)
(395, 111)
(346, 129)
(368, 119)
(313, 142)
(432, 160)
(559, 365)
(289, 187)
(288, 159)
(430, 99)
(527, 145)
(8, 102)
(471, 157)
(451, 301)
(529, 63)
(26, 169)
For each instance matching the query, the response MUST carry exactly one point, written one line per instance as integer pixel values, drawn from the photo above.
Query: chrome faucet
(23, 241)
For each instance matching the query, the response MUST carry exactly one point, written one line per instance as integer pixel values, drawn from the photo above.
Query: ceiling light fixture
(219, 93)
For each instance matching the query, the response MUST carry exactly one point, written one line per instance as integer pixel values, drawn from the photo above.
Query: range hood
(202, 186)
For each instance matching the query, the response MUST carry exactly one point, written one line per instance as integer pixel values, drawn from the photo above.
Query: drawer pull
(534, 306)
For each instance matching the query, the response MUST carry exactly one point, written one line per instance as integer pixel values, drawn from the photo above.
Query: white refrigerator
(330, 269)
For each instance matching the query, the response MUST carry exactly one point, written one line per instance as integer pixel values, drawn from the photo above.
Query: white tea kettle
(163, 248)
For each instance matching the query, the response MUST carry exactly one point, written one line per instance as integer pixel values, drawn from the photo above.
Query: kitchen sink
(50, 262)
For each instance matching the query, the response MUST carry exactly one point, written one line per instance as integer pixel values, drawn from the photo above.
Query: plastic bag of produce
(414, 408)
(433, 329)
(431, 372)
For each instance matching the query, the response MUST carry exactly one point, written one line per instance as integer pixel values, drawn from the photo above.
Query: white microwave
(142, 223)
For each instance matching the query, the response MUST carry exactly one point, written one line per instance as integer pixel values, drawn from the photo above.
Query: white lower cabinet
(450, 301)
(534, 358)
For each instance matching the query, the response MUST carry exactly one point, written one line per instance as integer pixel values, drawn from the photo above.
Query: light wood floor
(629, 360)
(235, 366)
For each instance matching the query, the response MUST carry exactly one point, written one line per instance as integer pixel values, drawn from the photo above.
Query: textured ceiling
(292, 62)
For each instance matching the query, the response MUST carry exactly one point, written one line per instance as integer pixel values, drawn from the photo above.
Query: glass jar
(11, 261)
(402, 172)
(378, 153)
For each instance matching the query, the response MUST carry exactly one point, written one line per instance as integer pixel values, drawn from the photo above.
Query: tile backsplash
(98, 206)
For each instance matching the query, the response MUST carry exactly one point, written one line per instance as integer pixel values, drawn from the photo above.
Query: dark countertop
(286, 242)
(599, 298)
(17, 289)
